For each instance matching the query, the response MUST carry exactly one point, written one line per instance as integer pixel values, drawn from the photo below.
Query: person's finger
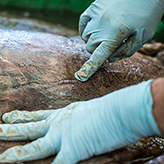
(97, 58)
(92, 43)
(67, 153)
(102, 52)
(38, 149)
(64, 156)
(27, 131)
(26, 116)
(89, 30)
(84, 19)
(126, 49)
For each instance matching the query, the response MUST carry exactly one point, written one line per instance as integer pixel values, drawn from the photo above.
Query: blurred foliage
(65, 12)
(162, 19)
(65, 18)
(72, 5)
(159, 34)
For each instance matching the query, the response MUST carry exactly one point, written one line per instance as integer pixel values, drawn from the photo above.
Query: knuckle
(84, 38)
(120, 28)
(81, 17)
(90, 48)
(115, 24)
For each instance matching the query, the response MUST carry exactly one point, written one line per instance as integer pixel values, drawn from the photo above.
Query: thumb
(126, 49)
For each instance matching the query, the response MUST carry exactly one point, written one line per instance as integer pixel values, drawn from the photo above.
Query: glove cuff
(146, 115)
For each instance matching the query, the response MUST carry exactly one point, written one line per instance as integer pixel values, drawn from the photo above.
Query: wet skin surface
(17, 22)
(37, 73)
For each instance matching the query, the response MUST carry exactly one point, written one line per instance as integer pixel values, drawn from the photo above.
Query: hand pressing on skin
(116, 29)
(82, 129)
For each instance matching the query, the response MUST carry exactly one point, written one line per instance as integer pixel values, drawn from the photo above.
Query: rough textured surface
(37, 72)
(156, 50)
(160, 56)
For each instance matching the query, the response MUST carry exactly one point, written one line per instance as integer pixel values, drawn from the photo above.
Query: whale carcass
(37, 73)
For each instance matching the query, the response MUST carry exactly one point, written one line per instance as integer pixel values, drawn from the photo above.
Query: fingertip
(92, 65)
(10, 117)
(5, 118)
(86, 71)
(80, 78)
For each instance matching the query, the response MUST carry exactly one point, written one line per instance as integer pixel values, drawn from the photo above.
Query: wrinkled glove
(81, 129)
(116, 29)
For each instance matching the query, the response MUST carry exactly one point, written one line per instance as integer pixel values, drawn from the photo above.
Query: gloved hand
(81, 129)
(116, 29)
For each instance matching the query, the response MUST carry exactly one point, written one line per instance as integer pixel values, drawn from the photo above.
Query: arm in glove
(116, 29)
(82, 129)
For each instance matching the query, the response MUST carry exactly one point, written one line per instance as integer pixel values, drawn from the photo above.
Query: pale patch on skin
(6, 61)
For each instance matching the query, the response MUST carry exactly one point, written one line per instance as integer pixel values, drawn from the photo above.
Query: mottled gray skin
(37, 73)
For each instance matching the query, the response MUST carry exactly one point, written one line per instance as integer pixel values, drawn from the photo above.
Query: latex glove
(82, 129)
(116, 29)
